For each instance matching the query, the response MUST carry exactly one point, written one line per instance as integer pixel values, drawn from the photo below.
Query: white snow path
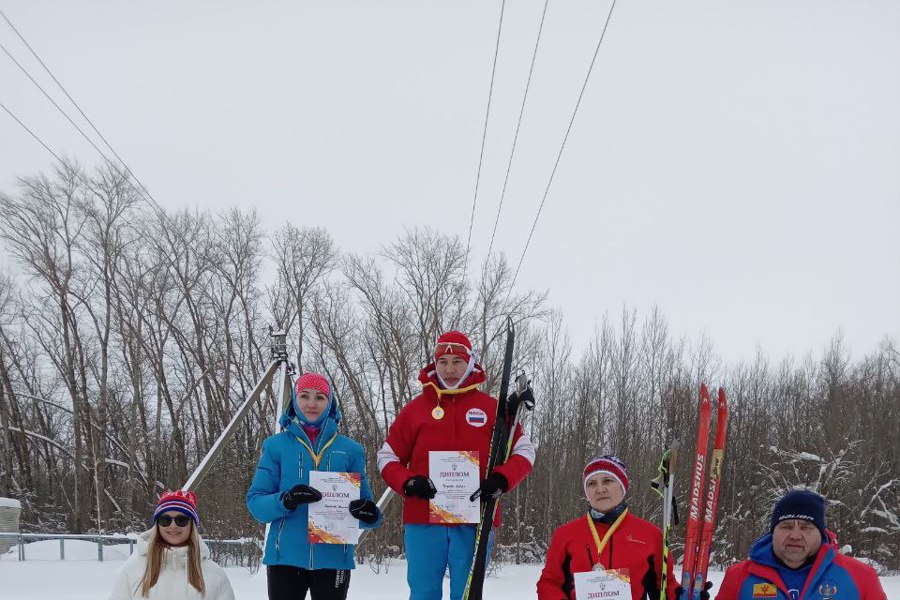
(81, 577)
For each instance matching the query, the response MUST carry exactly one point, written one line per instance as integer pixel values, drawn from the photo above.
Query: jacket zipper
(452, 401)
(312, 546)
(281, 527)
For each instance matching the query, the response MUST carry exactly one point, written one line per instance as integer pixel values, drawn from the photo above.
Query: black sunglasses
(180, 520)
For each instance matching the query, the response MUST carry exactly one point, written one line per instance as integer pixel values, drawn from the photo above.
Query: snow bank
(33, 580)
(10, 503)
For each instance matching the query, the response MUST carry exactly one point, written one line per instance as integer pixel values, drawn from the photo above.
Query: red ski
(689, 563)
(704, 497)
(712, 494)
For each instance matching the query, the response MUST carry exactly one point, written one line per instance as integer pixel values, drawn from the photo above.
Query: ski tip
(704, 393)
(722, 398)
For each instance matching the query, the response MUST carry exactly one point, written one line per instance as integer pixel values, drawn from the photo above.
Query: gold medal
(437, 413)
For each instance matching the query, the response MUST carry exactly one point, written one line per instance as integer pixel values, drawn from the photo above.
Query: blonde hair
(155, 549)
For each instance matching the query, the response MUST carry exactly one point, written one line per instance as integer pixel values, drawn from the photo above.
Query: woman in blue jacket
(280, 493)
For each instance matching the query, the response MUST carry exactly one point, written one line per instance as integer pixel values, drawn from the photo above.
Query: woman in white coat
(171, 562)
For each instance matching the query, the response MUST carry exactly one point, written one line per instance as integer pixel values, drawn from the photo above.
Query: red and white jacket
(467, 423)
(833, 576)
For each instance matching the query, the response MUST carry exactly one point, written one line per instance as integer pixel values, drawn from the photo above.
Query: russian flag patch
(476, 417)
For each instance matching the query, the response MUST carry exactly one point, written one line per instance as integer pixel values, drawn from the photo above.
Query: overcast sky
(736, 164)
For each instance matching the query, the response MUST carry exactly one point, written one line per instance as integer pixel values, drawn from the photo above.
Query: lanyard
(442, 392)
(601, 545)
(317, 458)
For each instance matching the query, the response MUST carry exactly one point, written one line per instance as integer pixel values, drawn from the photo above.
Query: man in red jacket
(797, 561)
(451, 414)
(608, 538)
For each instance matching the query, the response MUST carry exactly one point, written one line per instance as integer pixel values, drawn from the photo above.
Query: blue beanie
(800, 504)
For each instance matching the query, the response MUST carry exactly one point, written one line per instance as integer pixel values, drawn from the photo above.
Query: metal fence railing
(244, 552)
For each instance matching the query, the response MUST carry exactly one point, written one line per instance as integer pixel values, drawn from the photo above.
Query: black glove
(704, 592)
(525, 397)
(419, 486)
(651, 585)
(300, 494)
(493, 485)
(364, 510)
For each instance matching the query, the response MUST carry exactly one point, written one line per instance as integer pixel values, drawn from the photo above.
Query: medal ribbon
(601, 544)
(317, 458)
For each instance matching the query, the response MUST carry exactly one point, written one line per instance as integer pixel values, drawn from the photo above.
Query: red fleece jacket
(636, 546)
(468, 420)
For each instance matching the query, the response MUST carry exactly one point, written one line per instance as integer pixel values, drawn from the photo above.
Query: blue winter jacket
(833, 576)
(284, 463)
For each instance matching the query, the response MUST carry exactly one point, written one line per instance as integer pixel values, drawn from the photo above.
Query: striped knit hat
(608, 465)
(179, 501)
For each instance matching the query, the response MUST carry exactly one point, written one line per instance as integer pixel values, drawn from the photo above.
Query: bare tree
(303, 259)
(127, 338)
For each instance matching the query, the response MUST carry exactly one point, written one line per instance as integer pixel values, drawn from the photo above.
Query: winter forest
(128, 337)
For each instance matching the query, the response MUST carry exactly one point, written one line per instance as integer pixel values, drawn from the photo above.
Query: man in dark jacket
(797, 561)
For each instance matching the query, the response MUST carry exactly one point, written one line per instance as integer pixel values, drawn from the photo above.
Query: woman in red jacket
(608, 538)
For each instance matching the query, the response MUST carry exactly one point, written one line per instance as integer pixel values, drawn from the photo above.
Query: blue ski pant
(430, 549)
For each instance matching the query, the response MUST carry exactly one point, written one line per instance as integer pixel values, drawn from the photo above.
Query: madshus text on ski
(450, 455)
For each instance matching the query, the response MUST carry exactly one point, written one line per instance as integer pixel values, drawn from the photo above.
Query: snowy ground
(81, 577)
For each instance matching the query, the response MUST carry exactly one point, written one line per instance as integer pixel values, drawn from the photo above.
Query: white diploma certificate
(330, 521)
(456, 476)
(603, 585)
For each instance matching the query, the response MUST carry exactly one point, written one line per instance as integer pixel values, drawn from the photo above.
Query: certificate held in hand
(330, 521)
(455, 474)
(601, 584)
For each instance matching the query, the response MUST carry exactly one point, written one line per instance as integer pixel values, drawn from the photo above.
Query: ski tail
(499, 437)
(712, 494)
(689, 564)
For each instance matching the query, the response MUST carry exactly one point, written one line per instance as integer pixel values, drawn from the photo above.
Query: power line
(50, 150)
(484, 138)
(63, 112)
(161, 213)
(148, 196)
(52, 101)
(562, 146)
(518, 126)
(33, 134)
